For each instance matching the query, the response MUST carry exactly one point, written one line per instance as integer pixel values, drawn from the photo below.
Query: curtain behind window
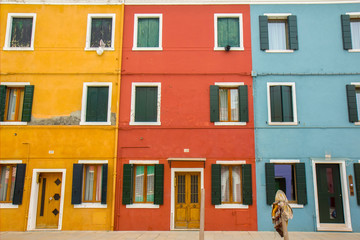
(4, 182)
(225, 185)
(89, 183)
(236, 179)
(223, 105)
(355, 34)
(277, 35)
(234, 97)
(139, 184)
(150, 184)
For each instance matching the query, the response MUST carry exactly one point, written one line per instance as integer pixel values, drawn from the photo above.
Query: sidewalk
(172, 235)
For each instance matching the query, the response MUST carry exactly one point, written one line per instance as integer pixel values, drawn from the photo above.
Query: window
(288, 176)
(7, 182)
(143, 183)
(145, 104)
(228, 31)
(147, 32)
(12, 177)
(90, 183)
(350, 24)
(20, 31)
(353, 100)
(278, 32)
(16, 102)
(96, 104)
(231, 183)
(229, 104)
(282, 104)
(100, 27)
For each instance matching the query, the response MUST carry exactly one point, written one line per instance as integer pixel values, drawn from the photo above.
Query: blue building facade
(306, 76)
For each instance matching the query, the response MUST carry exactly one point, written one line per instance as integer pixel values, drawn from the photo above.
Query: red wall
(186, 67)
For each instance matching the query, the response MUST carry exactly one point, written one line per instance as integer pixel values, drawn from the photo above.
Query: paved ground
(172, 235)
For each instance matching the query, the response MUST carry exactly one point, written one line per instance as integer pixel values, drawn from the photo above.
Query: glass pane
(181, 189)
(355, 33)
(194, 189)
(225, 184)
(284, 180)
(98, 182)
(21, 103)
(277, 35)
(139, 184)
(332, 209)
(234, 96)
(236, 184)
(4, 181)
(21, 32)
(89, 183)
(13, 176)
(11, 104)
(101, 30)
(150, 184)
(358, 102)
(329, 180)
(223, 104)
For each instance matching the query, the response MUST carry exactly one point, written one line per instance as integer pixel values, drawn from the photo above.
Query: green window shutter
(301, 183)
(127, 184)
(148, 32)
(264, 32)
(351, 101)
(357, 181)
(159, 184)
(214, 103)
(2, 102)
(28, 102)
(77, 184)
(275, 104)
(215, 184)
(293, 32)
(270, 183)
(97, 104)
(101, 29)
(243, 104)
(146, 104)
(19, 184)
(104, 183)
(247, 184)
(287, 104)
(228, 32)
(346, 32)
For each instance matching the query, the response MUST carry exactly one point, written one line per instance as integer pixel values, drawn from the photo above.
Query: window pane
(97, 104)
(225, 184)
(101, 29)
(148, 32)
(4, 181)
(146, 104)
(98, 182)
(89, 183)
(277, 35)
(284, 180)
(150, 184)
(139, 184)
(355, 33)
(234, 96)
(21, 32)
(236, 184)
(358, 102)
(13, 177)
(11, 104)
(223, 104)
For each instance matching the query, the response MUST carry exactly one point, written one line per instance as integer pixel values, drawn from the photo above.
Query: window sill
(142, 205)
(354, 50)
(357, 123)
(147, 48)
(295, 205)
(90, 205)
(282, 123)
(8, 205)
(230, 123)
(145, 123)
(231, 49)
(13, 123)
(95, 123)
(94, 49)
(18, 49)
(231, 206)
(279, 51)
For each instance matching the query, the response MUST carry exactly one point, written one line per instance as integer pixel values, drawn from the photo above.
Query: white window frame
(241, 37)
(9, 162)
(281, 16)
(353, 15)
(357, 85)
(293, 92)
(88, 31)
(288, 161)
(229, 85)
(133, 98)
(9, 28)
(84, 102)
(14, 84)
(136, 22)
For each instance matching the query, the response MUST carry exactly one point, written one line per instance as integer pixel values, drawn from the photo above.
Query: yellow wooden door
(187, 200)
(48, 208)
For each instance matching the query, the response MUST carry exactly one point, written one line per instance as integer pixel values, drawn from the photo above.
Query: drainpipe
(27, 176)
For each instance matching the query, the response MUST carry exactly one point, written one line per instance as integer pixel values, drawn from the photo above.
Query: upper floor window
(147, 32)
(350, 24)
(20, 31)
(278, 32)
(353, 100)
(100, 31)
(228, 32)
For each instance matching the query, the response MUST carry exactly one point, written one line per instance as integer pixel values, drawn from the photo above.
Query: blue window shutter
(357, 181)
(243, 104)
(214, 103)
(293, 32)
(270, 183)
(351, 101)
(28, 102)
(159, 184)
(104, 183)
(301, 183)
(346, 32)
(247, 184)
(2, 102)
(77, 183)
(215, 184)
(19, 184)
(264, 33)
(276, 104)
(287, 104)
(127, 184)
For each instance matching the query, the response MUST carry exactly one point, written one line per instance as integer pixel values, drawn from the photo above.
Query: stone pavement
(172, 235)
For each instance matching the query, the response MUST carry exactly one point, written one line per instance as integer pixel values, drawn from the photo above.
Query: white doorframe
(173, 171)
(345, 197)
(35, 194)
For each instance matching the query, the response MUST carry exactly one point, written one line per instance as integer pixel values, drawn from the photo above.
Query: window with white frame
(96, 104)
(20, 31)
(100, 31)
(281, 104)
(350, 23)
(353, 101)
(147, 32)
(7, 182)
(145, 104)
(228, 32)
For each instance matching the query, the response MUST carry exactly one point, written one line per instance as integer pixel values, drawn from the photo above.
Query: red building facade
(186, 119)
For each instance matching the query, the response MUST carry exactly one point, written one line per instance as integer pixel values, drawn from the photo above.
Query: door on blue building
(330, 198)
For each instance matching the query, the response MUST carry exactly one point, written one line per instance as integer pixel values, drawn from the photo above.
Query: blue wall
(320, 70)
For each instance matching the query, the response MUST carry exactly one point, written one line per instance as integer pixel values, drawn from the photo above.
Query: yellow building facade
(59, 96)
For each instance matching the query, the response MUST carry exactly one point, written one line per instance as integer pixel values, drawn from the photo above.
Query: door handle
(50, 198)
